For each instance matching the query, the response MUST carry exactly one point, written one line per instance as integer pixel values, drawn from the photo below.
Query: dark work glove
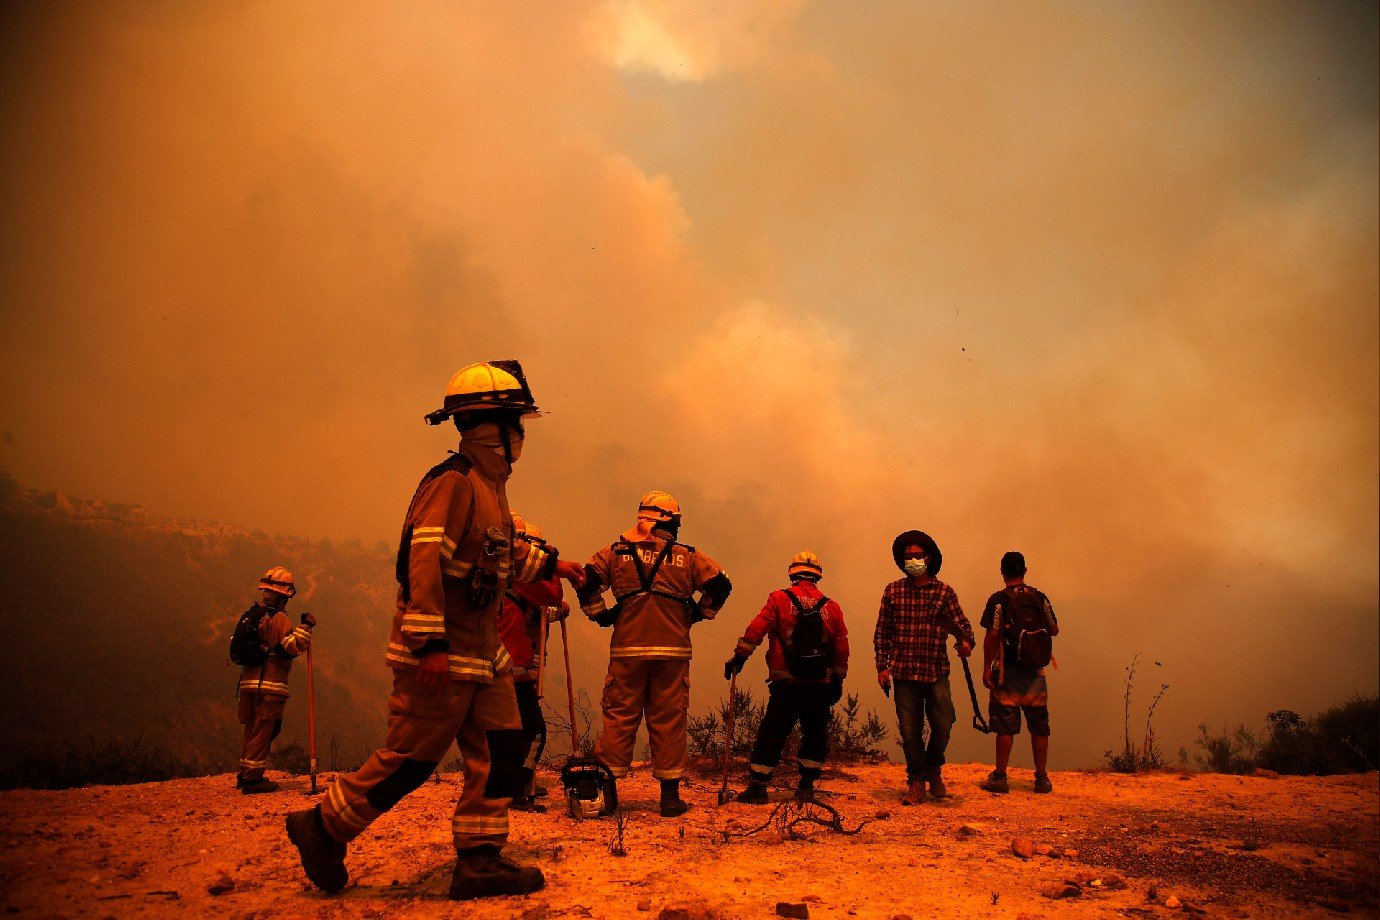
(308, 620)
(734, 666)
(835, 690)
(609, 616)
(483, 588)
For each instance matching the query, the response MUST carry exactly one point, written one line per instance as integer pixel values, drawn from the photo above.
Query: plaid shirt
(913, 626)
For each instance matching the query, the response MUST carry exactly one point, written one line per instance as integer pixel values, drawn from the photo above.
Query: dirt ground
(1144, 845)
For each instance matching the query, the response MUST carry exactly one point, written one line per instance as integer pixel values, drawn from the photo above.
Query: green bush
(1344, 738)
(1233, 751)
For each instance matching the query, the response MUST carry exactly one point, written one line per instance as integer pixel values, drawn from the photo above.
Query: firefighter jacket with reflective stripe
(652, 622)
(456, 558)
(776, 621)
(284, 643)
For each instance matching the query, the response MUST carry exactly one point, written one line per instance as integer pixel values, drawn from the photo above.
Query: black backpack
(246, 648)
(1025, 630)
(809, 652)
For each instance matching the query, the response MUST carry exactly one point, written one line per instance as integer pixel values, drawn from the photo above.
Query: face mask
(914, 567)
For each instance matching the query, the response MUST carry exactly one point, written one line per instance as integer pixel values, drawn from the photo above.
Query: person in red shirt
(807, 660)
(528, 610)
(918, 614)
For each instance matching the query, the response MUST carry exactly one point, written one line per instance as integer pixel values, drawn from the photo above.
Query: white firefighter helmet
(805, 564)
(278, 580)
(487, 386)
(525, 528)
(658, 506)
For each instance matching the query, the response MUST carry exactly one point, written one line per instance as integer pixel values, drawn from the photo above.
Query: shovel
(311, 724)
(979, 722)
(725, 795)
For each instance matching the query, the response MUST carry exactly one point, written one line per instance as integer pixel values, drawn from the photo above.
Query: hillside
(107, 596)
(1125, 844)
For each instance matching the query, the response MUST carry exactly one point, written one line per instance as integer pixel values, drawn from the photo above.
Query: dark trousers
(919, 702)
(533, 721)
(790, 702)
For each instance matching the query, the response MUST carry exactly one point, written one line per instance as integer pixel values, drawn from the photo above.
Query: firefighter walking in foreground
(265, 642)
(807, 660)
(456, 557)
(529, 609)
(654, 580)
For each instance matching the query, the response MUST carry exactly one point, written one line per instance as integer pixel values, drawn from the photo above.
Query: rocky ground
(1103, 844)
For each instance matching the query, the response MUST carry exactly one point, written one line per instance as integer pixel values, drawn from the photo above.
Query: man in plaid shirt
(918, 613)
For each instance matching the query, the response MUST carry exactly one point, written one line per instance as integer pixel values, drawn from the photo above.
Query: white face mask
(914, 567)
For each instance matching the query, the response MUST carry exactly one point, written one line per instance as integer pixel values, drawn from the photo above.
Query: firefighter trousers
(262, 717)
(481, 718)
(533, 722)
(658, 687)
(790, 702)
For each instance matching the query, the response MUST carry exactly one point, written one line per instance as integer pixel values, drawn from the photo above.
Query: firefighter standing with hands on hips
(456, 557)
(265, 642)
(807, 660)
(653, 580)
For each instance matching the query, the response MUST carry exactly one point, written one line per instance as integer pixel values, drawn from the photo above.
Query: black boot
(671, 804)
(322, 855)
(754, 794)
(523, 802)
(805, 791)
(262, 784)
(483, 873)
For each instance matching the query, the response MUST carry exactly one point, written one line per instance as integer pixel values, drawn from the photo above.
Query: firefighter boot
(805, 791)
(262, 784)
(482, 873)
(524, 802)
(671, 804)
(322, 855)
(937, 790)
(754, 794)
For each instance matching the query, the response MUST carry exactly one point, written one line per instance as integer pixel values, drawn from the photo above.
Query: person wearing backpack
(654, 580)
(918, 613)
(263, 645)
(807, 660)
(1020, 624)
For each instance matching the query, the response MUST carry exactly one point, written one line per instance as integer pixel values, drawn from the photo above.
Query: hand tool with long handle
(724, 794)
(311, 722)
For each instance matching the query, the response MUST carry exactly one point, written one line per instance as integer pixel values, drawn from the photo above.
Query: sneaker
(483, 873)
(914, 794)
(262, 784)
(754, 794)
(937, 790)
(323, 857)
(995, 782)
(1042, 783)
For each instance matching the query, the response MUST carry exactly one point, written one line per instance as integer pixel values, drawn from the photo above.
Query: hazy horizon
(1098, 283)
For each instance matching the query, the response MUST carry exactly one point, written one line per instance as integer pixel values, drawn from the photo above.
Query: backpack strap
(800, 607)
(646, 577)
(456, 462)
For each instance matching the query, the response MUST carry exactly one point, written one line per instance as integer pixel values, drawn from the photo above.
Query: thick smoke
(1098, 285)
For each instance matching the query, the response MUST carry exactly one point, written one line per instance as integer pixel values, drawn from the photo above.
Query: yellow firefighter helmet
(487, 386)
(278, 580)
(525, 528)
(805, 564)
(658, 506)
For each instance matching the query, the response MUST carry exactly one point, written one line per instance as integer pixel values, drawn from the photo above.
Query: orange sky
(1096, 282)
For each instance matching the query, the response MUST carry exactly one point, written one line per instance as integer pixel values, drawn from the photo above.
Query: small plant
(1250, 841)
(1148, 755)
(616, 844)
